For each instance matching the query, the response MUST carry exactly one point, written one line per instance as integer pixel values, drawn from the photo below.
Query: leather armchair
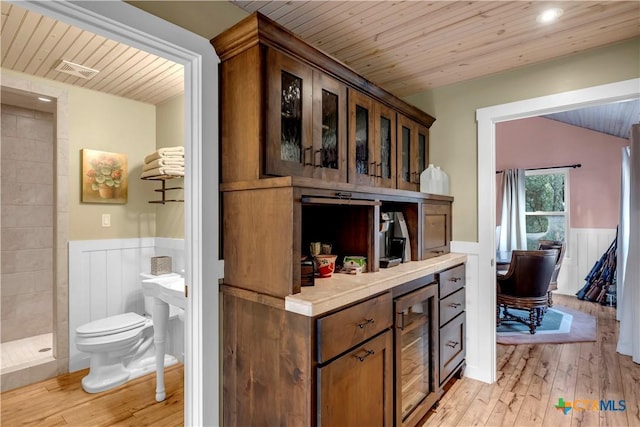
(560, 246)
(525, 286)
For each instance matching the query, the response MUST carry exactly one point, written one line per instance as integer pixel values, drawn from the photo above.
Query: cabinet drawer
(452, 346)
(340, 331)
(451, 280)
(451, 306)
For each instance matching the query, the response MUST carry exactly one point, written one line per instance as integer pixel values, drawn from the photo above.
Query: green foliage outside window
(544, 193)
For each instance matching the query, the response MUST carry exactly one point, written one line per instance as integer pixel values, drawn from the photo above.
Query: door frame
(134, 27)
(487, 119)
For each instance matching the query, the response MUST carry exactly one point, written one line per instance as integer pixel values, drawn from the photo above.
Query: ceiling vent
(76, 70)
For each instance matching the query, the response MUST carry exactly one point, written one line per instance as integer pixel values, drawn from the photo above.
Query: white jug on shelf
(434, 180)
(444, 182)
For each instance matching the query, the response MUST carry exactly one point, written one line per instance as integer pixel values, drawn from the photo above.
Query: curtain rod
(577, 165)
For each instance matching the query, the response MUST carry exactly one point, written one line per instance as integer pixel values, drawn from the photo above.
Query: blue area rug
(559, 325)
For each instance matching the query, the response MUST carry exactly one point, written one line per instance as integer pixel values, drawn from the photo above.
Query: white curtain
(623, 227)
(513, 233)
(629, 336)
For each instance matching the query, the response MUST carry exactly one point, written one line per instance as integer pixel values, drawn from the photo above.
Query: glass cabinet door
(362, 163)
(289, 149)
(413, 150)
(423, 152)
(385, 138)
(329, 128)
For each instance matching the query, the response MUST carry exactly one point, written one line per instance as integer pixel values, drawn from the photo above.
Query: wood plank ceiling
(36, 45)
(410, 46)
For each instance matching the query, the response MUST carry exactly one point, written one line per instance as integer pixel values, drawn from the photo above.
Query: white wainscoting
(104, 280)
(586, 246)
(477, 350)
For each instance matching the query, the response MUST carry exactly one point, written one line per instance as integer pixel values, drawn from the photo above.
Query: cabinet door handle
(400, 320)
(372, 169)
(365, 323)
(438, 252)
(304, 156)
(379, 165)
(452, 344)
(455, 304)
(367, 353)
(455, 279)
(315, 157)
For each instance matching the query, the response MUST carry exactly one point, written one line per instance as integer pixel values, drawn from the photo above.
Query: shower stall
(29, 284)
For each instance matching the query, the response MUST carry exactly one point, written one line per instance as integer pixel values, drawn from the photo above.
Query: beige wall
(108, 123)
(453, 137)
(170, 133)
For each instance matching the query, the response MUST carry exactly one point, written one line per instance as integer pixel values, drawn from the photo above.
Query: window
(547, 207)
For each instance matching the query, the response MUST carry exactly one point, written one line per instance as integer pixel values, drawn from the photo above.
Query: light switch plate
(106, 220)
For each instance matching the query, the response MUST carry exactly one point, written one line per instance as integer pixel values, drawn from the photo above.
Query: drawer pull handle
(365, 323)
(367, 353)
(452, 344)
(455, 279)
(439, 251)
(455, 304)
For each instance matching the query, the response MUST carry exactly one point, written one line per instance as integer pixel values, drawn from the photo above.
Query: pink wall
(539, 142)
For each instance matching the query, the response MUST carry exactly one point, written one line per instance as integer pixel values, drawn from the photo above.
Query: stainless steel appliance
(395, 246)
(416, 353)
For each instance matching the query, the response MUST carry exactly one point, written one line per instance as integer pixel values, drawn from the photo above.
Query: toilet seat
(111, 325)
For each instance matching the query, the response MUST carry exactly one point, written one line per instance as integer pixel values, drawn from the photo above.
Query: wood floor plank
(564, 385)
(507, 382)
(453, 410)
(485, 403)
(515, 394)
(62, 401)
(631, 386)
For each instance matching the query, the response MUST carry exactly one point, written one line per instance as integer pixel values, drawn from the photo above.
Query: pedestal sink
(165, 289)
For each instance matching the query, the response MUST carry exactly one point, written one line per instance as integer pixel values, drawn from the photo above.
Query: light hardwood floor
(61, 401)
(531, 378)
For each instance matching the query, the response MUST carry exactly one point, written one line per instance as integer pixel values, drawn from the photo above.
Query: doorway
(487, 118)
(125, 23)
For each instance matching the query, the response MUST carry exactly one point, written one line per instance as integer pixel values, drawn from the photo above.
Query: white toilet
(121, 348)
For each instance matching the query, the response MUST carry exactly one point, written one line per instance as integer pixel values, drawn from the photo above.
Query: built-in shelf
(164, 189)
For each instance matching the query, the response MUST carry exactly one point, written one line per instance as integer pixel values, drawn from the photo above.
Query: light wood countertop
(343, 289)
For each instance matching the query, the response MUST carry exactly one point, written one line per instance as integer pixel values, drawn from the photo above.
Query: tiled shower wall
(27, 223)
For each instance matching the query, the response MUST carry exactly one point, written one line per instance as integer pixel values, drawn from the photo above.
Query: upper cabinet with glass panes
(288, 109)
(306, 123)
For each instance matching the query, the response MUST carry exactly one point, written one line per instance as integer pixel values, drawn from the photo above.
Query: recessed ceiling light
(549, 15)
(43, 99)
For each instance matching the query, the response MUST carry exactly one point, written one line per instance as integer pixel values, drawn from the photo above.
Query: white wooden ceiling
(36, 44)
(613, 119)
(403, 46)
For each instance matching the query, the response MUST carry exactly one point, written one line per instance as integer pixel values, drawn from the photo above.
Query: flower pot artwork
(106, 192)
(326, 264)
(104, 177)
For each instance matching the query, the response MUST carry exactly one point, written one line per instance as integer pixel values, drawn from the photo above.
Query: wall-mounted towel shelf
(164, 189)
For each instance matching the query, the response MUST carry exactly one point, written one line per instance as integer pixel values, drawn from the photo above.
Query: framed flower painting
(104, 177)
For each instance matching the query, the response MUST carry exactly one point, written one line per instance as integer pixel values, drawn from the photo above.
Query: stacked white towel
(167, 161)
